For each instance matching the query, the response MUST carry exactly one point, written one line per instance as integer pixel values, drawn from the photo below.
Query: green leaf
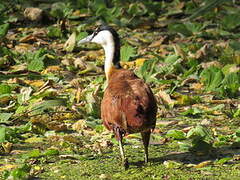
(36, 65)
(40, 107)
(183, 146)
(194, 27)
(206, 8)
(54, 32)
(171, 58)
(34, 153)
(200, 146)
(137, 9)
(25, 95)
(235, 45)
(231, 21)
(179, 28)
(70, 43)
(81, 35)
(231, 84)
(237, 133)
(237, 114)
(229, 68)
(57, 10)
(176, 134)
(3, 30)
(4, 117)
(172, 164)
(127, 52)
(212, 78)
(5, 51)
(147, 71)
(51, 152)
(192, 111)
(5, 89)
(223, 160)
(199, 133)
(2, 7)
(21, 172)
(2, 134)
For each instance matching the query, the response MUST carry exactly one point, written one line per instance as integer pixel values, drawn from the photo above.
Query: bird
(128, 105)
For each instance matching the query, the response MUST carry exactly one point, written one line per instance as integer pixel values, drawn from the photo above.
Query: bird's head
(103, 35)
(109, 39)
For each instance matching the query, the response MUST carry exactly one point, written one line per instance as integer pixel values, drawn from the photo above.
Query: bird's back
(128, 103)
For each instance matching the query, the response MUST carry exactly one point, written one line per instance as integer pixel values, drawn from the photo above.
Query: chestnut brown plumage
(128, 104)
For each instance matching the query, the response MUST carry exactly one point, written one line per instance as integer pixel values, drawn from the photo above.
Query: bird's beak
(86, 39)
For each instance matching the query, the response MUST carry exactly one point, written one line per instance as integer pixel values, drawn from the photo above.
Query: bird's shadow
(191, 157)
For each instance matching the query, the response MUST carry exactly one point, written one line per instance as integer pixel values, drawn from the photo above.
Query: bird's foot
(146, 159)
(125, 164)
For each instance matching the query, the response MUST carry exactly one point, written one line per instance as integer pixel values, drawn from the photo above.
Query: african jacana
(128, 104)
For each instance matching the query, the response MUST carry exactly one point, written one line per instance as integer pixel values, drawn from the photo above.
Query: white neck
(105, 38)
(109, 55)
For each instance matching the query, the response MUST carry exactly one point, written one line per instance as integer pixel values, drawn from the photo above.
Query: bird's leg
(119, 137)
(145, 139)
(124, 159)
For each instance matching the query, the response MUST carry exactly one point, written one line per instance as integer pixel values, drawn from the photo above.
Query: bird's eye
(96, 32)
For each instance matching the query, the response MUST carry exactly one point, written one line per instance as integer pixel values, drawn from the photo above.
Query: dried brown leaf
(157, 43)
(166, 98)
(79, 126)
(7, 146)
(8, 167)
(70, 43)
(24, 47)
(203, 164)
(209, 64)
(33, 14)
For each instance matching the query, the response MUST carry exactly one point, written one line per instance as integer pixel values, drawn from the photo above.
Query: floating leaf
(57, 10)
(237, 114)
(34, 140)
(172, 164)
(223, 160)
(34, 153)
(7, 146)
(166, 98)
(192, 111)
(231, 21)
(176, 134)
(5, 167)
(21, 172)
(147, 70)
(54, 32)
(231, 84)
(127, 52)
(25, 95)
(206, 8)
(203, 164)
(2, 134)
(36, 65)
(199, 133)
(179, 28)
(137, 9)
(3, 30)
(5, 89)
(81, 35)
(40, 107)
(70, 43)
(4, 117)
(212, 78)
(51, 152)
(235, 45)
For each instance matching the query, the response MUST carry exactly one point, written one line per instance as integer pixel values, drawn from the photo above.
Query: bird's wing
(130, 105)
